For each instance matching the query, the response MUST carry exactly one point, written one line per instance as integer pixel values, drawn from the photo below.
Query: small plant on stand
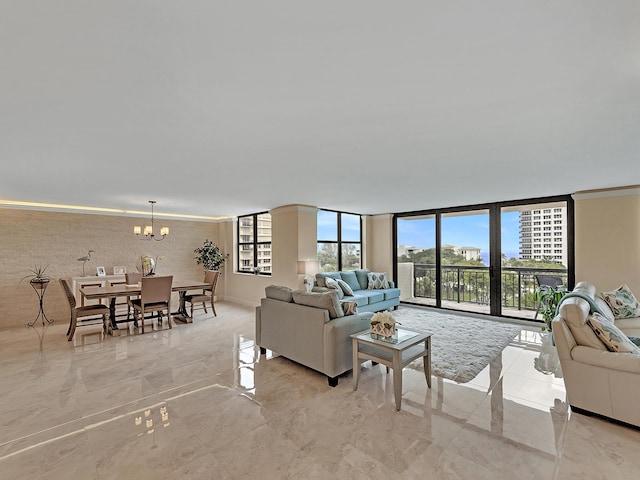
(37, 277)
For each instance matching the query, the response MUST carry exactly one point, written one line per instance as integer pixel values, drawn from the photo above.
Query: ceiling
(225, 108)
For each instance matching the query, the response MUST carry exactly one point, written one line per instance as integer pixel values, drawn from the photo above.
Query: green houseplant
(37, 277)
(549, 299)
(210, 256)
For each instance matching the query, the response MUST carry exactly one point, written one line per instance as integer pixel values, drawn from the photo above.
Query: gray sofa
(308, 328)
(368, 300)
(597, 380)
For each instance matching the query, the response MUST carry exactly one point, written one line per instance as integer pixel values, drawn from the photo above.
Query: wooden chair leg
(213, 309)
(204, 305)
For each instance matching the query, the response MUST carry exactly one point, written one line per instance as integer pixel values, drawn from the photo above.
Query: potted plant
(37, 277)
(210, 256)
(549, 298)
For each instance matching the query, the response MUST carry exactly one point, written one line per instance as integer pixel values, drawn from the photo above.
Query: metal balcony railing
(470, 284)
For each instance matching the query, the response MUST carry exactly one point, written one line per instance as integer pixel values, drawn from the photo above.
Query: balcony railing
(470, 284)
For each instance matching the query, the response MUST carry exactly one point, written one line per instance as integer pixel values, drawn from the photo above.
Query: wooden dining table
(111, 292)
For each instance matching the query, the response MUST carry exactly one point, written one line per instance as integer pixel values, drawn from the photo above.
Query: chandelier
(148, 234)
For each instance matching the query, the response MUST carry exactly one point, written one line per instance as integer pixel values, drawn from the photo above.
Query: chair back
(549, 280)
(132, 278)
(70, 297)
(156, 289)
(211, 277)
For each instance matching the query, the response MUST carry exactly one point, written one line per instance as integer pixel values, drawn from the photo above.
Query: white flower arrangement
(383, 324)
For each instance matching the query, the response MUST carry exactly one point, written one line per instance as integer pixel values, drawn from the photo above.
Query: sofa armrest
(624, 362)
(338, 344)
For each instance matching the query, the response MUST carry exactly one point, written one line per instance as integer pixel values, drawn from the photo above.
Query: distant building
(469, 253)
(543, 234)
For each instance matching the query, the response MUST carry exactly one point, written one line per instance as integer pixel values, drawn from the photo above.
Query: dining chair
(131, 278)
(84, 315)
(155, 296)
(207, 295)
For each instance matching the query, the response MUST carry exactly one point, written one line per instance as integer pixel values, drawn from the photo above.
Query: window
(339, 241)
(254, 243)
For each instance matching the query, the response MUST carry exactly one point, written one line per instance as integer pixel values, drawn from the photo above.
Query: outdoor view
(534, 247)
(338, 241)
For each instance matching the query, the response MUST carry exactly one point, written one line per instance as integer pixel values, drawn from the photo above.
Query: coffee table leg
(426, 361)
(397, 378)
(356, 364)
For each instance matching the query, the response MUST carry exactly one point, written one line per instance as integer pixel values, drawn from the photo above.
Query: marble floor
(198, 402)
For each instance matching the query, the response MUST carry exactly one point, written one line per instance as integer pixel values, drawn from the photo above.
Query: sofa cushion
(622, 302)
(351, 279)
(377, 281)
(333, 284)
(327, 300)
(322, 275)
(349, 308)
(360, 299)
(362, 277)
(614, 339)
(347, 290)
(279, 292)
(373, 296)
(604, 306)
(390, 293)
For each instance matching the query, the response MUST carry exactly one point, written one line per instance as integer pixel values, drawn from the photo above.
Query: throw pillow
(351, 279)
(363, 280)
(326, 300)
(333, 284)
(322, 275)
(377, 281)
(349, 308)
(345, 287)
(622, 302)
(614, 338)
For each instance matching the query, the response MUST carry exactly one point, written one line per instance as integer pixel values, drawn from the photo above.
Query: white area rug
(461, 346)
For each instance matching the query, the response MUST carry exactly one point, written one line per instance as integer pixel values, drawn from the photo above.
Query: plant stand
(40, 287)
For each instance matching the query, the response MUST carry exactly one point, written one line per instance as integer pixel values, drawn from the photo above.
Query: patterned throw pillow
(349, 308)
(614, 339)
(377, 281)
(622, 302)
(345, 287)
(333, 284)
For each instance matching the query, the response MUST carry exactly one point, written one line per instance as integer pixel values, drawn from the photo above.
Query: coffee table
(393, 353)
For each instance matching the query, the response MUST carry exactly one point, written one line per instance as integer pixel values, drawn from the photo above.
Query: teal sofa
(368, 300)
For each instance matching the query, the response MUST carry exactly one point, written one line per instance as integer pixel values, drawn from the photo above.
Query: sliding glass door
(486, 258)
(464, 260)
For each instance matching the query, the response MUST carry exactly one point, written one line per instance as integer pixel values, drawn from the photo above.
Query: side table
(395, 353)
(40, 287)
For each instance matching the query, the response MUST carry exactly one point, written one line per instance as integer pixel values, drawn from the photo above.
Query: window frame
(252, 245)
(339, 242)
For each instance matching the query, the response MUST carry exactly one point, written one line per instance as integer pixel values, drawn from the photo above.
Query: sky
(462, 231)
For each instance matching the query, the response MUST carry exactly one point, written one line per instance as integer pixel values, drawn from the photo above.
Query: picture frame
(101, 272)
(119, 270)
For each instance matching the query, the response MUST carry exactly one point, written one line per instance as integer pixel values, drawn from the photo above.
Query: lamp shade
(308, 267)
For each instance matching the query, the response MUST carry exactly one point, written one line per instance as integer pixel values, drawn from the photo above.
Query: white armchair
(597, 381)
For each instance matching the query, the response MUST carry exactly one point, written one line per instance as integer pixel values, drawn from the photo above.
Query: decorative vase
(383, 325)
(146, 265)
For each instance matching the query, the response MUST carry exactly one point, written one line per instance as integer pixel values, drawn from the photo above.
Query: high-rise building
(543, 234)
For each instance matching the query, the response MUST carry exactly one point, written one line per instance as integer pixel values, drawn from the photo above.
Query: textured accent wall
(58, 239)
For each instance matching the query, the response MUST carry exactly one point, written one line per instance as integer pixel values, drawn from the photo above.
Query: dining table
(112, 292)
